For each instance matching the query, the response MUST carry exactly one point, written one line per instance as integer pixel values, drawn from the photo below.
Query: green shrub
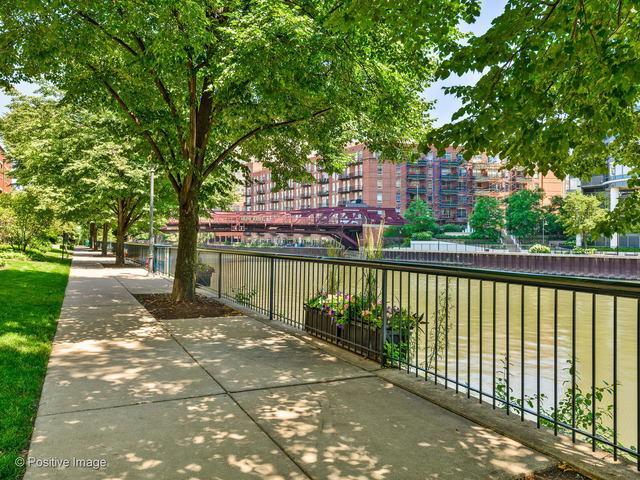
(451, 227)
(537, 248)
(583, 251)
(422, 236)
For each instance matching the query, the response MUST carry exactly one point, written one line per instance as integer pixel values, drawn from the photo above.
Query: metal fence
(562, 352)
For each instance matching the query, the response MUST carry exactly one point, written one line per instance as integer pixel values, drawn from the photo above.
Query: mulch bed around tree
(162, 307)
(560, 472)
(126, 265)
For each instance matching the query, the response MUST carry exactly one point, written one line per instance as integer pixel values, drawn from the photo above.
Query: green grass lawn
(31, 294)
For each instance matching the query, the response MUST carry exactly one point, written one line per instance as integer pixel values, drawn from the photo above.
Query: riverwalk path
(127, 396)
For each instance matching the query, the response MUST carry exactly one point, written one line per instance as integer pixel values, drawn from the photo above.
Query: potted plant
(356, 322)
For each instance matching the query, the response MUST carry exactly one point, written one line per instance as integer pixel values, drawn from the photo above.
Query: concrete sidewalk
(230, 398)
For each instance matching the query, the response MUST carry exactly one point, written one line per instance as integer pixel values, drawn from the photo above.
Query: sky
(445, 105)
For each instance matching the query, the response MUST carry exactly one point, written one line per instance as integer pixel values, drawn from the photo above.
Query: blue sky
(445, 105)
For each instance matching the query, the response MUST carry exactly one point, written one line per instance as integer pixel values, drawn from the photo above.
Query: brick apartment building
(448, 183)
(365, 181)
(6, 182)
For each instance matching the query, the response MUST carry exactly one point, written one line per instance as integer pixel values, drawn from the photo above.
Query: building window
(379, 198)
(379, 184)
(379, 169)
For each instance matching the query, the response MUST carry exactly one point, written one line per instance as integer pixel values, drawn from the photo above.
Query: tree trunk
(120, 234)
(121, 231)
(94, 236)
(105, 238)
(91, 229)
(184, 283)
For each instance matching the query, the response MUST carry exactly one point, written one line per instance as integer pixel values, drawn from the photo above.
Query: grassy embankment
(31, 292)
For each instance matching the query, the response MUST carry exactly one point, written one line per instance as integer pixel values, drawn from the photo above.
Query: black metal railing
(562, 352)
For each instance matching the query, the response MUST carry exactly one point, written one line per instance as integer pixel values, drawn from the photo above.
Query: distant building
(551, 185)
(453, 184)
(449, 184)
(612, 186)
(366, 180)
(6, 182)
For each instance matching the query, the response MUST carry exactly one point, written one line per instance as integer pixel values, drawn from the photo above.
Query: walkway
(232, 398)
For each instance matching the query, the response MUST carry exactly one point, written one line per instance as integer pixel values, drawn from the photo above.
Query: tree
(559, 91)
(524, 214)
(419, 218)
(582, 215)
(85, 162)
(210, 85)
(487, 219)
(26, 218)
(551, 216)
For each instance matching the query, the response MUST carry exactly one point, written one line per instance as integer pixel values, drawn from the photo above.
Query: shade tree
(211, 85)
(82, 161)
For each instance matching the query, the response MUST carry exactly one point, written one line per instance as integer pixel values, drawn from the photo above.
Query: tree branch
(134, 118)
(96, 24)
(164, 91)
(254, 132)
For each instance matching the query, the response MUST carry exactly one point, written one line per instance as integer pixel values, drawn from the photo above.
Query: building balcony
(417, 176)
(323, 193)
(323, 180)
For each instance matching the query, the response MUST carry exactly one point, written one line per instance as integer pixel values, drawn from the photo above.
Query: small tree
(523, 213)
(582, 215)
(419, 218)
(24, 219)
(551, 216)
(487, 219)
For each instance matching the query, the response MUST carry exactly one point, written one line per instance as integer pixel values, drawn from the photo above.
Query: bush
(537, 248)
(583, 251)
(451, 227)
(422, 236)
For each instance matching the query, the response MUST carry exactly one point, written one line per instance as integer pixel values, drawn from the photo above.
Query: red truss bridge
(345, 224)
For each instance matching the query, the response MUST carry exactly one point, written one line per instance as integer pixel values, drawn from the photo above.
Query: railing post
(219, 274)
(383, 337)
(271, 285)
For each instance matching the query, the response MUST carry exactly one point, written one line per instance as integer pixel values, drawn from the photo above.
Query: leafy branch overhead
(559, 90)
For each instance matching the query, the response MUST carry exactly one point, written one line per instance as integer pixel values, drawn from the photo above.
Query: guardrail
(563, 352)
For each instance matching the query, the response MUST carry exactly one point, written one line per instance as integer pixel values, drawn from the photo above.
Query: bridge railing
(562, 352)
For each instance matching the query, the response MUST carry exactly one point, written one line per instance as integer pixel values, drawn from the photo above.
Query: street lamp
(151, 195)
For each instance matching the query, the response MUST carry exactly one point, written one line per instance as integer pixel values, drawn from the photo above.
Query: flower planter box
(357, 336)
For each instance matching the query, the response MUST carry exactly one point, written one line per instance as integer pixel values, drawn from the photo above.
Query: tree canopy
(582, 215)
(487, 219)
(419, 218)
(210, 85)
(524, 214)
(559, 91)
(25, 218)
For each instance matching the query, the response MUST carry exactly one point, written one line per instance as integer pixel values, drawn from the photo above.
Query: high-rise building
(6, 182)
